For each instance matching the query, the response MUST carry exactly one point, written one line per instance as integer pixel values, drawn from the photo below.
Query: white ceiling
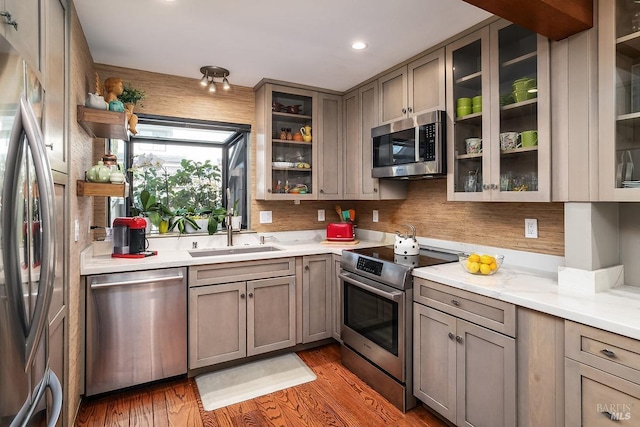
(299, 41)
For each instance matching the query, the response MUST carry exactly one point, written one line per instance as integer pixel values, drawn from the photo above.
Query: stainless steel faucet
(229, 229)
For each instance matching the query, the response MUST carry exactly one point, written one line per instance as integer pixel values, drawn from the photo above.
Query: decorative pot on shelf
(99, 173)
(95, 101)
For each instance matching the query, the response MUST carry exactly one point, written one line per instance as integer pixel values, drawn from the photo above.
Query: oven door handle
(393, 296)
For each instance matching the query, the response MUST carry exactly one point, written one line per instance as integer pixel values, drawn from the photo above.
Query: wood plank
(85, 188)
(555, 19)
(336, 398)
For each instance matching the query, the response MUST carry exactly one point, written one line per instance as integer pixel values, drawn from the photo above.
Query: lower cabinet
(602, 377)
(316, 298)
(463, 371)
(464, 364)
(234, 320)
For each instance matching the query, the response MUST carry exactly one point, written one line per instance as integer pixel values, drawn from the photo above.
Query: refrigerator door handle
(27, 124)
(51, 382)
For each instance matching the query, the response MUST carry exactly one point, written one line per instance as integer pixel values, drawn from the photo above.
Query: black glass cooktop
(426, 257)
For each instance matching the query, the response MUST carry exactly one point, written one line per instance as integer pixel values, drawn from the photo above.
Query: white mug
(509, 140)
(474, 145)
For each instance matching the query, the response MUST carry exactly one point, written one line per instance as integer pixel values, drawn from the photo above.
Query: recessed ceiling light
(359, 45)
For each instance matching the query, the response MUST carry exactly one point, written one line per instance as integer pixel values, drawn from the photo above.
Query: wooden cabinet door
(596, 398)
(352, 167)
(217, 324)
(426, 84)
(434, 360)
(336, 299)
(271, 314)
(26, 37)
(316, 298)
(329, 135)
(393, 95)
(55, 118)
(368, 94)
(56, 347)
(486, 380)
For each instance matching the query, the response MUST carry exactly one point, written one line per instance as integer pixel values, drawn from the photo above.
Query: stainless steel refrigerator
(27, 243)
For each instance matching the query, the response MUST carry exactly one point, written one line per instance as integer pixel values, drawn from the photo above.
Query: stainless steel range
(377, 317)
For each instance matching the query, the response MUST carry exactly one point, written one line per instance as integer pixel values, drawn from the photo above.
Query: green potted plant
(150, 208)
(131, 95)
(183, 221)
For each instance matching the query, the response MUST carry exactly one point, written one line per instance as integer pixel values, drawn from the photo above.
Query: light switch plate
(265, 217)
(320, 214)
(375, 215)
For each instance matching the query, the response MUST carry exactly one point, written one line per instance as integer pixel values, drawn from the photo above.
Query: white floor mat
(233, 385)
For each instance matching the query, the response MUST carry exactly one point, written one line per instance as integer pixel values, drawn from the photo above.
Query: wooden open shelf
(103, 123)
(85, 188)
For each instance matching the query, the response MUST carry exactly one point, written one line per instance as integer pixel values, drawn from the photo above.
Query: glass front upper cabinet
(500, 109)
(619, 95)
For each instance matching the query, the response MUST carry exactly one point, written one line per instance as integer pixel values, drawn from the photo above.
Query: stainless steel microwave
(410, 148)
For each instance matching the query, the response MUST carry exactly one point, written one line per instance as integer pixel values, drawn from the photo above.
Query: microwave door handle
(416, 145)
(393, 296)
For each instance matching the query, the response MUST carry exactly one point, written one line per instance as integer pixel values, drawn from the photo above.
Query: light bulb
(225, 84)
(212, 86)
(204, 80)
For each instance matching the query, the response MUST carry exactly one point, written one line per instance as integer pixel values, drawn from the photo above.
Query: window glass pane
(151, 131)
(179, 176)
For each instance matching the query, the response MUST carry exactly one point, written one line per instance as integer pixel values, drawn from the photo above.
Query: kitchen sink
(233, 251)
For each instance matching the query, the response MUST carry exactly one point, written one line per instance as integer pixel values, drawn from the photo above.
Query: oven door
(373, 322)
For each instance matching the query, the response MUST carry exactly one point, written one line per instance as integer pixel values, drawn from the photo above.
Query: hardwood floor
(335, 398)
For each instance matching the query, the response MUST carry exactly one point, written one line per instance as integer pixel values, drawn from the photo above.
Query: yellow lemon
(486, 259)
(473, 267)
(485, 269)
(493, 266)
(474, 258)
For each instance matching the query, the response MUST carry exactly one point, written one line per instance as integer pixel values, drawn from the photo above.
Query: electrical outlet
(375, 215)
(531, 228)
(321, 215)
(266, 217)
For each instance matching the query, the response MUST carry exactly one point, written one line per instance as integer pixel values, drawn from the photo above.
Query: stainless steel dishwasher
(136, 328)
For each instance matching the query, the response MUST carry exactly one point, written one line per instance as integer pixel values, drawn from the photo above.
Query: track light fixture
(210, 73)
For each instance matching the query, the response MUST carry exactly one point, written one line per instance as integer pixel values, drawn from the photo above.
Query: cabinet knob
(455, 302)
(306, 268)
(410, 109)
(49, 146)
(404, 111)
(9, 20)
(321, 190)
(451, 335)
(485, 186)
(458, 338)
(494, 186)
(268, 190)
(375, 190)
(608, 353)
(250, 294)
(242, 296)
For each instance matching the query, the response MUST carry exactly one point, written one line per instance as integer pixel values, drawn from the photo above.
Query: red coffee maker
(129, 238)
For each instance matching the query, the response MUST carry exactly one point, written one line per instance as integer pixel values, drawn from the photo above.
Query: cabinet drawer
(488, 312)
(595, 398)
(604, 350)
(240, 271)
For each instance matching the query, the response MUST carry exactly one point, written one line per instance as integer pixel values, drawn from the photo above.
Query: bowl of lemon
(481, 264)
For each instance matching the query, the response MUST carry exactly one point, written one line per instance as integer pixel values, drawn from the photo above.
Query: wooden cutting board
(336, 243)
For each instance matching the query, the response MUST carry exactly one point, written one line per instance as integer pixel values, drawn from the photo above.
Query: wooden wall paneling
(483, 223)
(556, 19)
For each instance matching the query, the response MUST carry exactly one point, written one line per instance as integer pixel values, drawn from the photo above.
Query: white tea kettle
(406, 245)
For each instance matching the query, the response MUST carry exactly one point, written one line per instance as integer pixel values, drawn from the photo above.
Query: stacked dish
(631, 184)
(282, 164)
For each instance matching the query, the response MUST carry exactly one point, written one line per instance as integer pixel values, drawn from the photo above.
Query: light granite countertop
(616, 310)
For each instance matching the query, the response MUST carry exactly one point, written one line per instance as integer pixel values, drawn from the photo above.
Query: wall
(80, 151)
(495, 224)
